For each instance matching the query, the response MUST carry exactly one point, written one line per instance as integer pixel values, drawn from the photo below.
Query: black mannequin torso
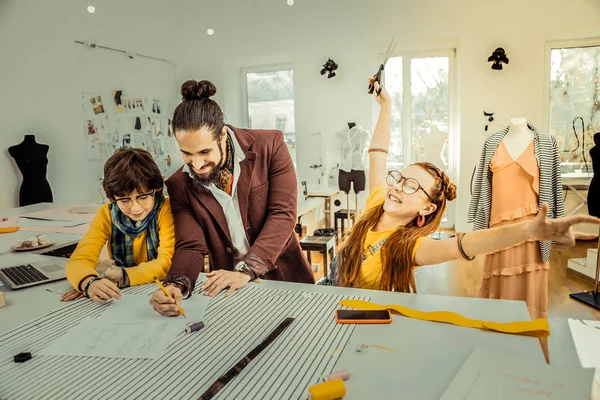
(593, 197)
(32, 160)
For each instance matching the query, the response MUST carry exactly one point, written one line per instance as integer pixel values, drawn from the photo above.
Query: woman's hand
(384, 97)
(557, 230)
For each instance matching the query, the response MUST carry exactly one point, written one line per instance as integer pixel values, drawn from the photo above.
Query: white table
(425, 358)
(327, 193)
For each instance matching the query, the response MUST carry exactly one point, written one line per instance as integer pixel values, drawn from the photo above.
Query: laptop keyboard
(24, 274)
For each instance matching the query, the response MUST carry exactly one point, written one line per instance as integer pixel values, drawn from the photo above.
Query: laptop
(33, 273)
(19, 276)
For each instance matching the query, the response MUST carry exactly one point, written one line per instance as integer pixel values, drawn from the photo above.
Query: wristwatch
(243, 267)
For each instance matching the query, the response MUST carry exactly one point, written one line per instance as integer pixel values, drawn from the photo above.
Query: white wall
(42, 75)
(249, 33)
(354, 33)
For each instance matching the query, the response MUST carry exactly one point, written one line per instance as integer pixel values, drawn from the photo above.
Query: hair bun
(450, 192)
(194, 90)
(449, 188)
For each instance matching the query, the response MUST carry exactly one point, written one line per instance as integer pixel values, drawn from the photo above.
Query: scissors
(379, 77)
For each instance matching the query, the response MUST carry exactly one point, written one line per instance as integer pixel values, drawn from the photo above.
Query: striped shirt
(546, 153)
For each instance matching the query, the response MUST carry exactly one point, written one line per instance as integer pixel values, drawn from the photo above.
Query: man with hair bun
(234, 199)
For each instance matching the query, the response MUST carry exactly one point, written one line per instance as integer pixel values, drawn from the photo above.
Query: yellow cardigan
(83, 261)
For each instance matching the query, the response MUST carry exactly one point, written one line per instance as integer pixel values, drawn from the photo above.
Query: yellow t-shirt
(370, 271)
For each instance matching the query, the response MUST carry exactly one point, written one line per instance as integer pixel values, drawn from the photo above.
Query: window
(280, 121)
(574, 101)
(270, 101)
(422, 113)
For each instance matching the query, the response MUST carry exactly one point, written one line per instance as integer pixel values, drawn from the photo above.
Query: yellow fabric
(538, 328)
(370, 271)
(83, 261)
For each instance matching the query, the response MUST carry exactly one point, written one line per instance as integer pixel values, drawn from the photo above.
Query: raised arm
(380, 140)
(486, 241)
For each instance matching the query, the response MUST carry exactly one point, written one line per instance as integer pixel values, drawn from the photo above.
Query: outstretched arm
(485, 241)
(380, 140)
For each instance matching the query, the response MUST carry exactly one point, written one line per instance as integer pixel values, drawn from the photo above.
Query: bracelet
(87, 285)
(459, 238)
(376, 149)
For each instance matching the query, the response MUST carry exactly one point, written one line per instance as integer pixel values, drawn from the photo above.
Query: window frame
(258, 70)
(453, 120)
(559, 44)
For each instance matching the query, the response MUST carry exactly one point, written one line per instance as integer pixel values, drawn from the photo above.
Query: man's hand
(166, 305)
(221, 279)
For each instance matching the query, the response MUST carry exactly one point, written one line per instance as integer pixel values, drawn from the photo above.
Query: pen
(166, 292)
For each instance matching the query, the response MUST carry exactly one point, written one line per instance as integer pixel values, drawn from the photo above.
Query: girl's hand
(557, 230)
(384, 97)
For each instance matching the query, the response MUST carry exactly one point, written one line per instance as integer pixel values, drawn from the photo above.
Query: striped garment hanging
(546, 153)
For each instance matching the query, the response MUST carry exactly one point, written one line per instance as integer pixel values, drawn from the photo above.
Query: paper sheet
(494, 376)
(126, 340)
(136, 309)
(128, 328)
(586, 335)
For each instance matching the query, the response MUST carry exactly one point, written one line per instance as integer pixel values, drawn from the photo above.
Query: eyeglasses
(409, 185)
(143, 200)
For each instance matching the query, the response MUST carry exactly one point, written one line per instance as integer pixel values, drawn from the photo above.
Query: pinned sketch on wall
(93, 148)
(138, 141)
(126, 141)
(131, 121)
(156, 106)
(118, 101)
(91, 104)
(97, 105)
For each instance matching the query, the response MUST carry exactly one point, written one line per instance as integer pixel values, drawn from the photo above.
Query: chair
(344, 215)
(323, 244)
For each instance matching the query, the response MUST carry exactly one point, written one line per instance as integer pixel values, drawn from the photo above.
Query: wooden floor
(463, 278)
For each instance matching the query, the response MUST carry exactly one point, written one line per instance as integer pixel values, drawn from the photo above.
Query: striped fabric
(308, 349)
(546, 153)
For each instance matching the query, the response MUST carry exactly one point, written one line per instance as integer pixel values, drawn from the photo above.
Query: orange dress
(516, 273)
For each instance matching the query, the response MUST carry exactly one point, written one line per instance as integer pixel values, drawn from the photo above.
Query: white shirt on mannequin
(518, 138)
(351, 149)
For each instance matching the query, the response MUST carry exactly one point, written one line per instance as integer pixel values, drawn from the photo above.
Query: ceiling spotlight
(290, 2)
(91, 9)
(210, 32)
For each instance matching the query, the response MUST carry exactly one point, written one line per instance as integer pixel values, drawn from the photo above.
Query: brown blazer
(267, 196)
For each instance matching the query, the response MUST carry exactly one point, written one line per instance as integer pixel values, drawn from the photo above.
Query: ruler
(237, 368)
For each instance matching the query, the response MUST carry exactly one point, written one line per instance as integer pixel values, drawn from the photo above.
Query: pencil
(166, 292)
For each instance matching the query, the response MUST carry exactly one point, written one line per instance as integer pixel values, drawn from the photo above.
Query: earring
(421, 221)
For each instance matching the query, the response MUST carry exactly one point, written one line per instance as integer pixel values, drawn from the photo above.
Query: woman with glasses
(136, 226)
(404, 207)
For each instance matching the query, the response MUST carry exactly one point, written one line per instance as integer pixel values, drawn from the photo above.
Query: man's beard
(201, 182)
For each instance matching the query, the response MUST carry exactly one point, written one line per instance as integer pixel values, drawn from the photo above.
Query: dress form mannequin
(352, 161)
(32, 159)
(518, 138)
(593, 197)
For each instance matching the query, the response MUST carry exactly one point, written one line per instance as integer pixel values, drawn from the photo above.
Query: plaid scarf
(225, 178)
(125, 230)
